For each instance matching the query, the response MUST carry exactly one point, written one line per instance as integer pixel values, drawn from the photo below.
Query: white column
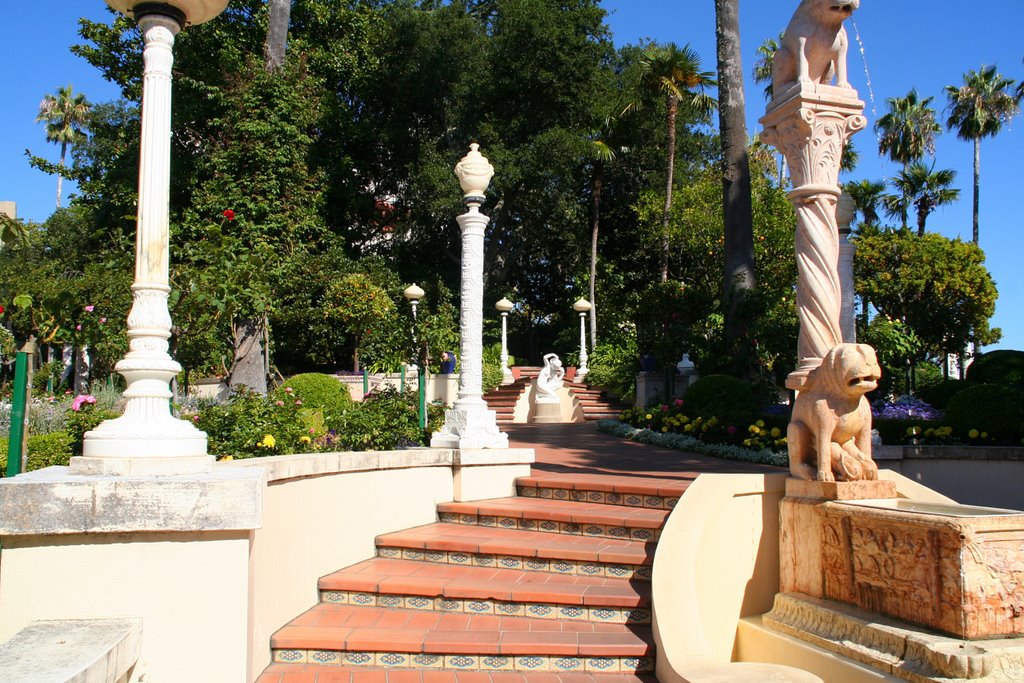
(469, 424)
(147, 439)
(506, 371)
(583, 370)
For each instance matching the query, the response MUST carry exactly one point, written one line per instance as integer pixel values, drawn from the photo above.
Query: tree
(739, 273)
(603, 152)
(675, 73)
(274, 47)
(763, 66)
(65, 116)
(936, 286)
(925, 189)
(978, 109)
(907, 131)
(867, 195)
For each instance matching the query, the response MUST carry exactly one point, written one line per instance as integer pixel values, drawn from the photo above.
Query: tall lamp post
(582, 307)
(469, 423)
(413, 294)
(147, 440)
(504, 306)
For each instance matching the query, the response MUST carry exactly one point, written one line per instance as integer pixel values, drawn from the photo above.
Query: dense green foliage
(721, 396)
(987, 411)
(319, 392)
(44, 450)
(1004, 367)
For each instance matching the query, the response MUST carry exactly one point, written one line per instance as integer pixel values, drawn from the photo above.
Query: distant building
(9, 209)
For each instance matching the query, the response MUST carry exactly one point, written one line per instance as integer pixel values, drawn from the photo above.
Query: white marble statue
(549, 381)
(814, 46)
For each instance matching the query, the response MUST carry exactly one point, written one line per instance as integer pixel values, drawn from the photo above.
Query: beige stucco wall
(190, 589)
(316, 525)
(991, 483)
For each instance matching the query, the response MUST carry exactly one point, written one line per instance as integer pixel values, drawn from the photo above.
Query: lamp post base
(126, 447)
(469, 427)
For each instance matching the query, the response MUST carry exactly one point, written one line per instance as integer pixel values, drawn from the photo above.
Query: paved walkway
(581, 448)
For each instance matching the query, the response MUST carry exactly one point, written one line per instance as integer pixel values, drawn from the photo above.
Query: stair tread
(562, 511)
(311, 673)
(380, 629)
(409, 577)
(519, 543)
(647, 486)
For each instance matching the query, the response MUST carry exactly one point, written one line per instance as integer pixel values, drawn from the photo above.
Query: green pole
(366, 383)
(17, 442)
(401, 388)
(421, 379)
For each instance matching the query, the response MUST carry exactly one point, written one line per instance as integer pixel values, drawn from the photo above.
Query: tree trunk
(60, 175)
(977, 184)
(82, 366)
(247, 368)
(279, 17)
(673, 109)
(739, 275)
(598, 182)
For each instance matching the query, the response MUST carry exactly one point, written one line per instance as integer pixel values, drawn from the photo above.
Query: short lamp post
(582, 307)
(504, 306)
(147, 440)
(413, 294)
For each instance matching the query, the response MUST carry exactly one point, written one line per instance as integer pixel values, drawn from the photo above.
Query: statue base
(547, 413)
(469, 426)
(956, 569)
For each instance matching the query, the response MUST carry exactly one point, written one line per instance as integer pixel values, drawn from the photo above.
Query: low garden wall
(214, 564)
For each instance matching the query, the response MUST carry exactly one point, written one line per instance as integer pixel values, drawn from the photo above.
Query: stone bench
(78, 650)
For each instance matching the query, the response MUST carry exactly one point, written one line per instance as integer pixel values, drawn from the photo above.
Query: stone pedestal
(547, 413)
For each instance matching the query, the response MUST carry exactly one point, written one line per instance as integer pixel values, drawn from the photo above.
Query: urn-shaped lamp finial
(474, 173)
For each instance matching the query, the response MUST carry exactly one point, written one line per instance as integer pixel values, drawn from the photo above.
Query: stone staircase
(549, 586)
(596, 404)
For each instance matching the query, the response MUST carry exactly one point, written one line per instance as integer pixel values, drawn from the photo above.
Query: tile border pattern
(467, 662)
(551, 526)
(634, 500)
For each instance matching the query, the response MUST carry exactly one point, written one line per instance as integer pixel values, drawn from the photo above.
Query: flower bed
(690, 444)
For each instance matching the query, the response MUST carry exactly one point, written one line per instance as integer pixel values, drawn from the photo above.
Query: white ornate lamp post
(582, 307)
(504, 306)
(469, 424)
(147, 440)
(413, 294)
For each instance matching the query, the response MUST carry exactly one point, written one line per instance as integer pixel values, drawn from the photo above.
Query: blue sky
(906, 45)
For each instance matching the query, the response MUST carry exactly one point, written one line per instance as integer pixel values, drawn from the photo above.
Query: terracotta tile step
(538, 551)
(429, 586)
(642, 492)
(346, 635)
(311, 673)
(558, 516)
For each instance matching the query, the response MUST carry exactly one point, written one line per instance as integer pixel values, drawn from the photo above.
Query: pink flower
(229, 214)
(90, 308)
(664, 409)
(279, 403)
(195, 418)
(80, 400)
(731, 430)
(679, 403)
(102, 320)
(78, 327)
(298, 403)
(287, 390)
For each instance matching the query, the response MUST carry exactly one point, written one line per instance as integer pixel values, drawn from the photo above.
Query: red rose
(229, 214)
(1, 310)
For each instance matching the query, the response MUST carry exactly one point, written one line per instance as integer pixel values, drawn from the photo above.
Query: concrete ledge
(282, 467)
(468, 457)
(86, 651)
(53, 501)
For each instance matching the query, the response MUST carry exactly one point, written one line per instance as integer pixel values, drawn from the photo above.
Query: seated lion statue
(830, 432)
(814, 46)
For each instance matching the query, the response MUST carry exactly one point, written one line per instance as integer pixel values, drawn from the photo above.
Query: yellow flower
(973, 434)
(664, 430)
(760, 423)
(776, 432)
(984, 435)
(268, 441)
(688, 428)
(305, 439)
(648, 416)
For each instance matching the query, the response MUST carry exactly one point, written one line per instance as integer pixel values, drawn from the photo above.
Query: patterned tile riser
(612, 571)
(591, 530)
(606, 615)
(629, 500)
(404, 660)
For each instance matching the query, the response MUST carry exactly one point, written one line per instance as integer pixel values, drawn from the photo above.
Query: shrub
(614, 365)
(318, 391)
(386, 420)
(44, 450)
(989, 411)
(998, 367)
(492, 373)
(938, 395)
(727, 398)
(250, 425)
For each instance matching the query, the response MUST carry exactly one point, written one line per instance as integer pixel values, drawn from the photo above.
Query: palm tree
(924, 188)
(763, 66)
(737, 202)
(279, 14)
(675, 73)
(978, 109)
(65, 116)
(867, 195)
(602, 152)
(908, 130)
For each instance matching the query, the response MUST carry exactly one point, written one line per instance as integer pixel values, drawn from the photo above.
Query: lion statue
(814, 46)
(830, 433)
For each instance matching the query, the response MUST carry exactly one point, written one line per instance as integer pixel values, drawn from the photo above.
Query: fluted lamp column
(582, 307)
(147, 440)
(469, 423)
(413, 293)
(504, 306)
